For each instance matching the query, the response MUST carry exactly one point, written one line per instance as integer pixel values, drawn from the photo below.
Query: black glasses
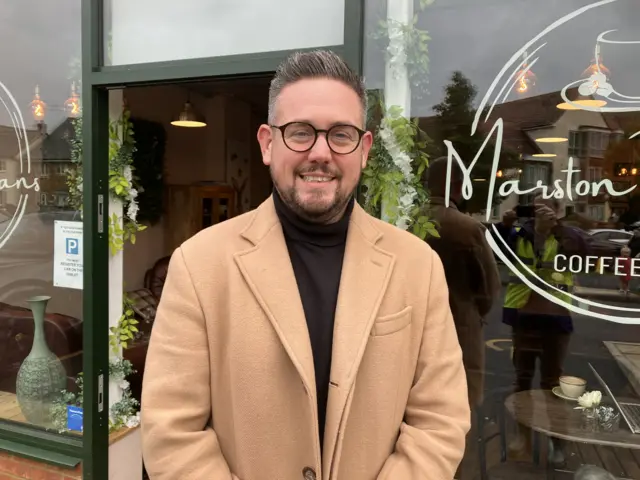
(301, 137)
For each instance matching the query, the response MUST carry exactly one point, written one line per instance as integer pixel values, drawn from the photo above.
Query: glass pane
(40, 225)
(551, 107)
(224, 209)
(207, 212)
(200, 28)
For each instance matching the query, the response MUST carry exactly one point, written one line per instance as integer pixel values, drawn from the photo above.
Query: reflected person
(472, 277)
(541, 328)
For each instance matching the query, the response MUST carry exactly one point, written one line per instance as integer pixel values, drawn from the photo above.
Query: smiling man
(306, 339)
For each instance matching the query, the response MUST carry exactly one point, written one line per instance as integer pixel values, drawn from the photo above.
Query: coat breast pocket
(389, 324)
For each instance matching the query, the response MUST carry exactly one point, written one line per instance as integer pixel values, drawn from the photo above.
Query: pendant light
(189, 117)
(38, 107)
(525, 79)
(72, 104)
(593, 74)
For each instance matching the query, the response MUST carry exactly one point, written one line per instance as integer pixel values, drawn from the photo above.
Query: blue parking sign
(72, 246)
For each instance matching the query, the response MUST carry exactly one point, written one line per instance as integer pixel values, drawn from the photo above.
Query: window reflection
(544, 118)
(40, 317)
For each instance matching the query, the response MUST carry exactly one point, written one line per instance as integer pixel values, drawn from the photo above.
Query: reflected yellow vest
(518, 292)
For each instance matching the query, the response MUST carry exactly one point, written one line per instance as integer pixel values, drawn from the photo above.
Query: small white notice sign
(67, 254)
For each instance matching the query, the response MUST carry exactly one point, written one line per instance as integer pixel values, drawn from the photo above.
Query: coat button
(308, 474)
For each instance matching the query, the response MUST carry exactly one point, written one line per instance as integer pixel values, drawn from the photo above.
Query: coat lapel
(366, 271)
(267, 270)
(365, 275)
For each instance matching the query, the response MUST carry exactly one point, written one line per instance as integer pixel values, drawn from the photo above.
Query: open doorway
(190, 178)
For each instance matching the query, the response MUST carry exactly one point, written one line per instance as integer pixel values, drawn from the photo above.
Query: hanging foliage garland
(392, 179)
(123, 185)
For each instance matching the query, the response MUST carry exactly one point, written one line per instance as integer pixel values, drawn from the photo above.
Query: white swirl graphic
(9, 102)
(598, 84)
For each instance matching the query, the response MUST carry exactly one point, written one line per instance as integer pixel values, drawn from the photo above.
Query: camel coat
(229, 388)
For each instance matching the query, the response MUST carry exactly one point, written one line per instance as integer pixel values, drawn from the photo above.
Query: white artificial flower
(124, 385)
(133, 193)
(133, 421)
(406, 192)
(127, 173)
(396, 50)
(589, 399)
(132, 210)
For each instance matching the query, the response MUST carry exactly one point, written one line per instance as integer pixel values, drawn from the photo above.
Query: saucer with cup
(570, 388)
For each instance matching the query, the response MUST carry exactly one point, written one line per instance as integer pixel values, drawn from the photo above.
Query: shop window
(199, 29)
(546, 99)
(577, 144)
(41, 297)
(595, 174)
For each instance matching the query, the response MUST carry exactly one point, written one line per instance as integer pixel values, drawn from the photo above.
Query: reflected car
(620, 237)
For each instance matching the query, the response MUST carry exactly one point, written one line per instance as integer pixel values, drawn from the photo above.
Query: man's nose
(321, 150)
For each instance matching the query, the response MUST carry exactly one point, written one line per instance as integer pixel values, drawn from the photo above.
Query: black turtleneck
(316, 253)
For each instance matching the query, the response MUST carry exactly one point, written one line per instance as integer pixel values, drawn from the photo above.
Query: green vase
(42, 376)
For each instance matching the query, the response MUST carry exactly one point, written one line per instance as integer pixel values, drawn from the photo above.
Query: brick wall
(13, 468)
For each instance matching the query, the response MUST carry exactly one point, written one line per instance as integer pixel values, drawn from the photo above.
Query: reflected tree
(454, 117)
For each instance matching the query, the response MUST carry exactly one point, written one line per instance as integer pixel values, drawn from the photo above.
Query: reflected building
(546, 136)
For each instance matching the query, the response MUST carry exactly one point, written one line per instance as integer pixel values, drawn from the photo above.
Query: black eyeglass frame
(316, 131)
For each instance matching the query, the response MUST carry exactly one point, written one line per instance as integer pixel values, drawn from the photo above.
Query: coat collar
(366, 271)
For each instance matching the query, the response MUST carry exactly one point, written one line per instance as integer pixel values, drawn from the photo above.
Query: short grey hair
(315, 64)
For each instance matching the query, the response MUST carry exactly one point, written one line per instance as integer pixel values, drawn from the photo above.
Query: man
(305, 339)
(470, 267)
(541, 328)
(472, 276)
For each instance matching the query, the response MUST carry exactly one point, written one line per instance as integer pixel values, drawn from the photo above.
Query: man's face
(316, 184)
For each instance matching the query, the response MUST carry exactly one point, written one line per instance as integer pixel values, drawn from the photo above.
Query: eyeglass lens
(301, 137)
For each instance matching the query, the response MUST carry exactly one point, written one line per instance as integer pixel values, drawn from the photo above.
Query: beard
(315, 209)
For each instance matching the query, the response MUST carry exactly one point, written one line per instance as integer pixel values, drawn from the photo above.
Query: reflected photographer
(541, 327)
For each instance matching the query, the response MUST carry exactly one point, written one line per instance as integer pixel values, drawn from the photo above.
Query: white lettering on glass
(562, 187)
(21, 183)
(558, 191)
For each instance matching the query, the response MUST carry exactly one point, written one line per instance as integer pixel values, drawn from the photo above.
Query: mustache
(322, 168)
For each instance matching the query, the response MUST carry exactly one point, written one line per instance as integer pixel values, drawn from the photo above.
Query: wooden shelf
(10, 410)
(191, 208)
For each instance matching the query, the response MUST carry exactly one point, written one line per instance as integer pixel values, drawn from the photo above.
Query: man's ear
(265, 138)
(367, 142)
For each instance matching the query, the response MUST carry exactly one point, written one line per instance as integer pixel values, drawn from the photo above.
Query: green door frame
(97, 79)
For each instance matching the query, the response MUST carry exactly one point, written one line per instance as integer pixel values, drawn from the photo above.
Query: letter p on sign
(72, 246)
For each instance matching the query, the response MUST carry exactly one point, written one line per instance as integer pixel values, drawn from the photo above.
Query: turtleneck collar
(298, 229)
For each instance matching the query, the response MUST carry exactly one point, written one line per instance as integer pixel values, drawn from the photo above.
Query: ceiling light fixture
(544, 155)
(551, 140)
(582, 103)
(189, 117)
